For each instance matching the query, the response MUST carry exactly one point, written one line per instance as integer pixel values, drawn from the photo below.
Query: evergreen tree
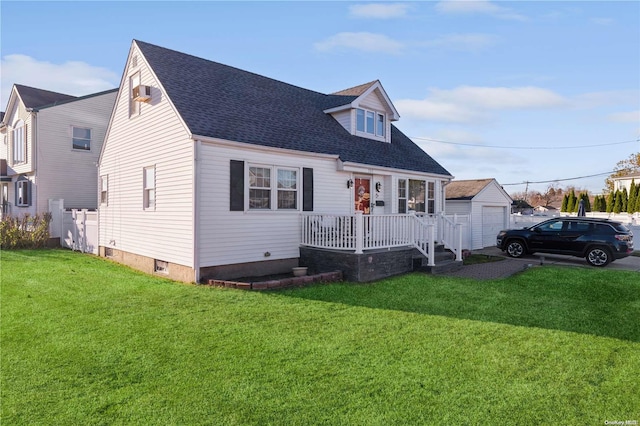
(637, 208)
(631, 204)
(625, 199)
(565, 199)
(617, 203)
(587, 204)
(602, 206)
(571, 202)
(611, 199)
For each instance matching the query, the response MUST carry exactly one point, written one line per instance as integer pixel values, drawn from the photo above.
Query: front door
(362, 195)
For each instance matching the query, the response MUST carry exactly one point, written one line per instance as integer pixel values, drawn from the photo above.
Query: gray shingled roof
(34, 98)
(223, 102)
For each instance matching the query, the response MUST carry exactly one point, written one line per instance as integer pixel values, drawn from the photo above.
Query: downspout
(196, 211)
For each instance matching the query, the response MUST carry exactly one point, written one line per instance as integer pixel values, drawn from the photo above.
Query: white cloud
(466, 42)
(367, 42)
(469, 104)
(477, 7)
(607, 98)
(73, 77)
(379, 10)
(625, 117)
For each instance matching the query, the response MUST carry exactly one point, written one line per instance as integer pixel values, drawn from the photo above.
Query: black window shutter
(15, 193)
(28, 193)
(236, 186)
(307, 190)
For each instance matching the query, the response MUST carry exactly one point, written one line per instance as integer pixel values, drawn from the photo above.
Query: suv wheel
(598, 256)
(515, 248)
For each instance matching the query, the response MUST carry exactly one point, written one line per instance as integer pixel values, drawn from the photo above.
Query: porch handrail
(360, 232)
(451, 234)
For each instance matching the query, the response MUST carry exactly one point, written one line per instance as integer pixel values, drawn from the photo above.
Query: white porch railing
(360, 232)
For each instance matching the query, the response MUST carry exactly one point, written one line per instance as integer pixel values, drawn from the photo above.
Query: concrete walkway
(509, 266)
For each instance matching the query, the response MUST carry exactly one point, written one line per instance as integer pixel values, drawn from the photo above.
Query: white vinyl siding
(230, 237)
(161, 140)
(67, 173)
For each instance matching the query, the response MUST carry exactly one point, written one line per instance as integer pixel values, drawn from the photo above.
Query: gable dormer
(368, 113)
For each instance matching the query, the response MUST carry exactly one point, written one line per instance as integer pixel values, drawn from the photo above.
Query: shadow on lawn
(599, 302)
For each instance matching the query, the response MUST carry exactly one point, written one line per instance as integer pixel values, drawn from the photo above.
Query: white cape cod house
(209, 171)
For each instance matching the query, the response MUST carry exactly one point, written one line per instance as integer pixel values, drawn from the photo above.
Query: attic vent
(142, 93)
(134, 61)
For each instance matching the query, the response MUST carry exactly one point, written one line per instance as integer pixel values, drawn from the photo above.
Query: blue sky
(519, 91)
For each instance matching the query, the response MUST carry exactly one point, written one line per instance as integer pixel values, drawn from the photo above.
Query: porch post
(359, 232)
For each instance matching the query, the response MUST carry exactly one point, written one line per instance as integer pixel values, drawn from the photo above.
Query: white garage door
(493, 221)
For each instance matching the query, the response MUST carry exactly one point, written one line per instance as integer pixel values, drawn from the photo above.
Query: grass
(86, 341)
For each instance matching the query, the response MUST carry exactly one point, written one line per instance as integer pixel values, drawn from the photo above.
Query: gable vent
(134, 61)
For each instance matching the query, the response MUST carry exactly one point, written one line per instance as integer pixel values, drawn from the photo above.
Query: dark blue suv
(600, 241)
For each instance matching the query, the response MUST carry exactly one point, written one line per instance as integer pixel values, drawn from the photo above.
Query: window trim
(104, 190)
(19, 129)
(273, 187)
(135, 80)
(149, 203)
(73, 138)
(23, 186)
(379, 127)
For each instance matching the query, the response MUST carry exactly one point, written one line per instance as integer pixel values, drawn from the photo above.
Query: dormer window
(370, 122)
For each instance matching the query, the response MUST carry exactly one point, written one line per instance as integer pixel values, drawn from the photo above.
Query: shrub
(25, 231)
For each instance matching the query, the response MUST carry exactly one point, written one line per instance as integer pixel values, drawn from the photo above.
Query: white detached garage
(487, 205)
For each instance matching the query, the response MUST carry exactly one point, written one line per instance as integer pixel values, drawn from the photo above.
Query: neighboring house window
(134, 107)
(19, 145)
(259, 188)
(370, 122)
(81, 138)
(402, 196)
(104, 184)
(23, 198)
(263, 180)
(149, 188)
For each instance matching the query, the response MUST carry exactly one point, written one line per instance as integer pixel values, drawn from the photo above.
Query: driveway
(631, 263)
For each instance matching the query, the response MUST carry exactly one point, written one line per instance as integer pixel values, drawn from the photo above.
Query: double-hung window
(402, 196)
(81, 138)
(287, 189)
(273, 188)
(104, 185)
(18, 144)
(370, 122)
(149, 178)
(259, 188)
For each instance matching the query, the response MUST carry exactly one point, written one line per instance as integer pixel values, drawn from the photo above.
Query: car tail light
(623, 237)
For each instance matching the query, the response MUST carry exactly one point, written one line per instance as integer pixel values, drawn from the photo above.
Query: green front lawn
(86, 341)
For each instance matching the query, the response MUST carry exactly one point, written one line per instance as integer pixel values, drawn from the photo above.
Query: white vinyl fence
(77, 229)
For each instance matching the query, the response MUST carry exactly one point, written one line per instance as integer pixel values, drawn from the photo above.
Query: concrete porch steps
(444, 262)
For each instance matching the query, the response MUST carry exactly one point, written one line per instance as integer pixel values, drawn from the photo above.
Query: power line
(526, 147)
(557, 180)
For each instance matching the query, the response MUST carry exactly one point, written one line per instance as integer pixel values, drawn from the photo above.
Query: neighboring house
(621, 182)
(487, 205)
(208, 170)
(546, 210)
(521, 207)
(50, 148)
